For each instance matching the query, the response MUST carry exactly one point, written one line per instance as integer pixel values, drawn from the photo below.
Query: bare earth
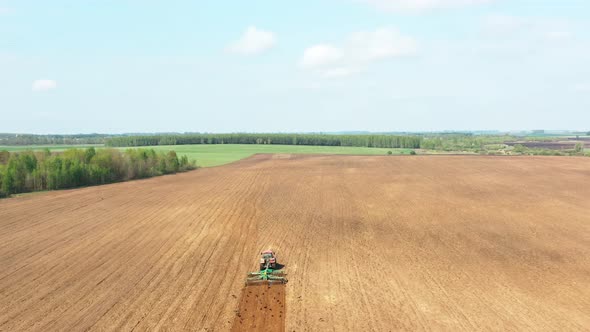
(262, 308)
(370, 244)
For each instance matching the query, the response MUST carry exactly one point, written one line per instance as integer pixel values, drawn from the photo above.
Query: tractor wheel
(261, 267)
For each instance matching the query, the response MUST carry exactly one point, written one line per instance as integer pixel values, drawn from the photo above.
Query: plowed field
(370, 244)
(262, 308)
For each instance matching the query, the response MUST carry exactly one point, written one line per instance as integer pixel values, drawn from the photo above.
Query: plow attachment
(267, 276)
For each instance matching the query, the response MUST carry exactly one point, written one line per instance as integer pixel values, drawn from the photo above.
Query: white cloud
(253, 41)
(321, 55)
(507, 26)
(381, 44)
(422, 5)
(4, 10)
(339, 72)
(582, 88)
(357, 52)
(558, 35)
(44, 85)
(514, 35)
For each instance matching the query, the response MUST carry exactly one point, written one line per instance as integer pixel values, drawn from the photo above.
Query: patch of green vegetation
(28, 171)
(220, 154)
(522, 150)
(207, 155)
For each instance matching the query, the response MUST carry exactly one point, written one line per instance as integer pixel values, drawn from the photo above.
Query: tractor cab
(268, 260)
(268, 273)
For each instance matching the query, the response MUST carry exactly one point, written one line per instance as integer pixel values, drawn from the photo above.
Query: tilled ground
(370, 244)
(261, 308)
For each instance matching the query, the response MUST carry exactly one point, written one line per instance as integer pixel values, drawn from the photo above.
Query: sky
(120, 66)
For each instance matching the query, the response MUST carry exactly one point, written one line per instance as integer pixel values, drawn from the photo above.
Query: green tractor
(268, 273)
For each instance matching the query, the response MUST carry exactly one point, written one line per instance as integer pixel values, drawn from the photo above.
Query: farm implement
(267, 276)
(268, 273)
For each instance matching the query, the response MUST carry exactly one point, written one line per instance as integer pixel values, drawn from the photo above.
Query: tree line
(578, 150)
(29, 139)
(461, 142)
(30, 171)
(375, 141)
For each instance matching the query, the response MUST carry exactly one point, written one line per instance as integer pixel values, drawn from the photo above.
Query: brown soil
(370, 244)
(262, 308)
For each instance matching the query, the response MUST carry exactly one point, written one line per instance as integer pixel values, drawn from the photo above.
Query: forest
(30, 139)
(29, 171)
(374, 141)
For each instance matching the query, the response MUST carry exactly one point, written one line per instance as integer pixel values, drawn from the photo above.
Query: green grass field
(220, 154)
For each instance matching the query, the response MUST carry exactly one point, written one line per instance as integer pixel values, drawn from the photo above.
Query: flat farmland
(208, 155)
(370, 243)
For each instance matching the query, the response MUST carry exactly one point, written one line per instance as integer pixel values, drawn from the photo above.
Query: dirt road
(370, 244)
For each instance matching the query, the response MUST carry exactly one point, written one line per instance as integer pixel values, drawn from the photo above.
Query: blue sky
(115, 66)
